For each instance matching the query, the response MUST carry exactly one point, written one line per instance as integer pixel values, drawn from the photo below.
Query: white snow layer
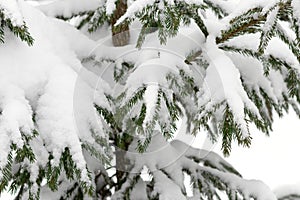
(110, 6)
(242, 6)
(67, 8)
(47, 79)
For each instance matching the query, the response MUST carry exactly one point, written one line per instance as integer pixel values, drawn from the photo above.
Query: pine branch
(248, 22)
(275, 62)
(121, 72)
(268, 29)
(220, 12)
(247, 27)
(19, 31)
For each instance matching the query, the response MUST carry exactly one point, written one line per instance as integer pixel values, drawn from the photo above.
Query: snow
(135, 7)
(150, 99)
(166, 187)
(214, 26)
(243, 6)
(67, 8)
(252, 73)
(139, 191)
(11, 11)
(139, 5)
(48, 81)
(236, 8)
(278, 84)
(296, 9)
(222, 82)
(229, 6)
(280, 50)
(248, 41)
(153, 62)
(250, 188)
(196, 2)
(43, 81)
(165, 162)
(271, 18)
(149, 72)
(16, 113)
(110, 6)
(151, 49)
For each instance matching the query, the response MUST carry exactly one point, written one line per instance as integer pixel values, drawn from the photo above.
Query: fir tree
(223, 72)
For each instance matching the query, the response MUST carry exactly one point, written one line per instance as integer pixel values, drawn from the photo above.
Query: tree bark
(120, 33)
(122, 164)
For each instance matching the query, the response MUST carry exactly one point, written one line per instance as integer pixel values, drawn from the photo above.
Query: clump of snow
(223, 83)
(280, 50)
(252, 72)
(278, 84)
(214, 26)
(271, 18)
(247, 41)
(11, 11)
(150, 99)
(110, 6)
(16, 113)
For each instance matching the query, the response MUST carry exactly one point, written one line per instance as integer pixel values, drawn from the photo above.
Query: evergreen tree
(216, 64)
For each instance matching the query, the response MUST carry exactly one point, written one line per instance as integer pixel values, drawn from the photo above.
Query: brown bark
(120, 33)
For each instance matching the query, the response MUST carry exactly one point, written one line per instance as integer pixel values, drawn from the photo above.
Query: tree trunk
(122, 164)
(120, 33)
(120, 168)
(120, 37)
